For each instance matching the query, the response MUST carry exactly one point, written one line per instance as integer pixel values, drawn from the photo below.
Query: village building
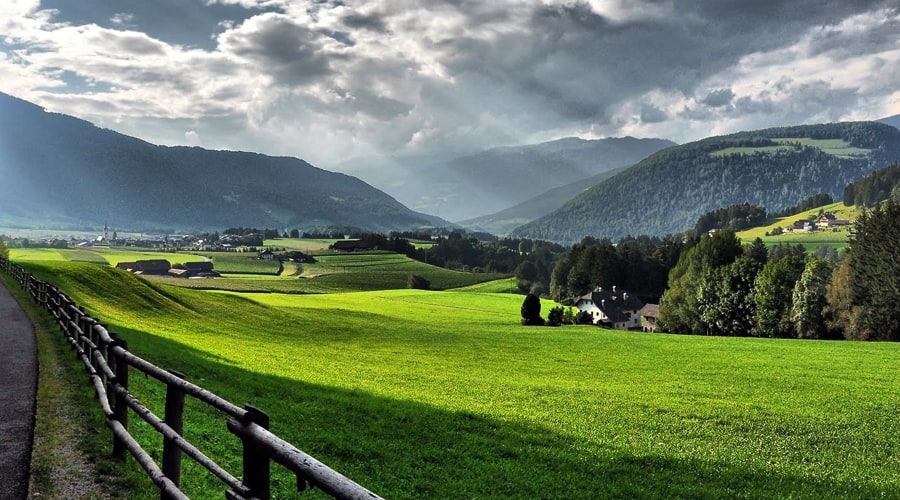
(649, 314)
(156, 267)
(613, 308)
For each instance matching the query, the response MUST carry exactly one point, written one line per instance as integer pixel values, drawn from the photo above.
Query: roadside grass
(415, 394)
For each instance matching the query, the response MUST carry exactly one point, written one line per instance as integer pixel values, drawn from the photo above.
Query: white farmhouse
(612, 308)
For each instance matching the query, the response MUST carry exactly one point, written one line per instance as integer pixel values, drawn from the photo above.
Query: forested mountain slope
(488, 181)
(774, 168)
(62, 171)
(506, 220)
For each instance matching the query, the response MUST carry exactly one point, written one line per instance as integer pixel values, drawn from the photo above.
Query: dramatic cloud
(328, 80)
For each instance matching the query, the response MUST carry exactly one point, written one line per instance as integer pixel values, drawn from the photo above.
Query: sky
(332, 80)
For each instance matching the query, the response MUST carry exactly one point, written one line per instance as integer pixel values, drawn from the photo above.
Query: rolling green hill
(62, 172)
(414, 394)
(774, 168)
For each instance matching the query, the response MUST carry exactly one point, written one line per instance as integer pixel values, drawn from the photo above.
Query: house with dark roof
(156, 267)
(612, 308)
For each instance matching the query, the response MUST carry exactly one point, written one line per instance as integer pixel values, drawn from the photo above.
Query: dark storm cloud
(840, 44)
(580, 63)
(370, 22)
(652, 114)
(718, 98)
(294, 53)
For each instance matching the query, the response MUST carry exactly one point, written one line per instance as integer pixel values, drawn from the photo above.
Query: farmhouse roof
(614, 303)
(649, 311)
(202, 267)
(152, 266)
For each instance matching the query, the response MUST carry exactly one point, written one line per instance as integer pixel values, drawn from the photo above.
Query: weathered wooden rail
(108, 362)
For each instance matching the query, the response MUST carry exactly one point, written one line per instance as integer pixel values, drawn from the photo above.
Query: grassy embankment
(423, 394)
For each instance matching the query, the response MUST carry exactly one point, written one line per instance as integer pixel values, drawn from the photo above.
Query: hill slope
(489, 181)
(506, 220)
(61, 170)
(893, 121)
(775, 168)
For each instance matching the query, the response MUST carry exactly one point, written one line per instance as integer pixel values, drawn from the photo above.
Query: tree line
(719, 287)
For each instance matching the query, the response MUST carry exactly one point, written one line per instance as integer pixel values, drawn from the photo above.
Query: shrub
(555, 317)
(584, 318)
(418, 282)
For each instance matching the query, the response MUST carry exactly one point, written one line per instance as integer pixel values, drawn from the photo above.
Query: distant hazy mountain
(774, 168)
(59, 170)
(506, 220)
(492, 180)
(893, 121)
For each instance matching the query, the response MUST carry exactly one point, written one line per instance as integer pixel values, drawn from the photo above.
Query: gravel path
(18, 385)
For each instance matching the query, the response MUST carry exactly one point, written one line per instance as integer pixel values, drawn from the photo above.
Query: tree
(808, 301)
(773, 294)
(841, 315)
(531, 311)
(679, 311)
(527, 274)
(725, 298)
(4, 250)
(295, 233)
(758, 251)
(874, 270)
(418, 282)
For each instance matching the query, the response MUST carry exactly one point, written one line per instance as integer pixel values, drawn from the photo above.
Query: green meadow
(426, 394)
(835, 147)
(838, 238)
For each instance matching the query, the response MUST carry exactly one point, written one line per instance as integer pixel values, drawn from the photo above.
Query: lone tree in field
(531, 311)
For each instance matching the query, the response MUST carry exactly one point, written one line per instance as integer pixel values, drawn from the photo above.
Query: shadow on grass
(403, 449)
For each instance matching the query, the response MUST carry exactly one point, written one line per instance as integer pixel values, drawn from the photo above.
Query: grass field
(419, 394)
(838, 239)
(835, 147)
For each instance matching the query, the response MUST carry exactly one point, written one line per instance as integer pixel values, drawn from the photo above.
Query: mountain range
(774, 168)
(65, 172)
(473, 185)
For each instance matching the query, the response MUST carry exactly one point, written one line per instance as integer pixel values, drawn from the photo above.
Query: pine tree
(875, 270)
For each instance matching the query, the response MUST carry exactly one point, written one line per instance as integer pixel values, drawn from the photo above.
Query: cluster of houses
(618, 309)
(162, 267)
(826, 220)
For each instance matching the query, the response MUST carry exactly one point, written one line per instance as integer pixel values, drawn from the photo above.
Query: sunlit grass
(415, 394)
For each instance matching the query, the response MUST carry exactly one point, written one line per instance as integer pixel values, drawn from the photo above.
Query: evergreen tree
(875, 270)
(808, 302)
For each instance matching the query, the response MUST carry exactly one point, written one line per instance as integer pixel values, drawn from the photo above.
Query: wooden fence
(107, 361)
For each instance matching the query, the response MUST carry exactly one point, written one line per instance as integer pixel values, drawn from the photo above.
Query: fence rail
(108, 362)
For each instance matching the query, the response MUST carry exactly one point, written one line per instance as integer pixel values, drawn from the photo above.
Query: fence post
(120, 411)
(256, 461)
(174, 418)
